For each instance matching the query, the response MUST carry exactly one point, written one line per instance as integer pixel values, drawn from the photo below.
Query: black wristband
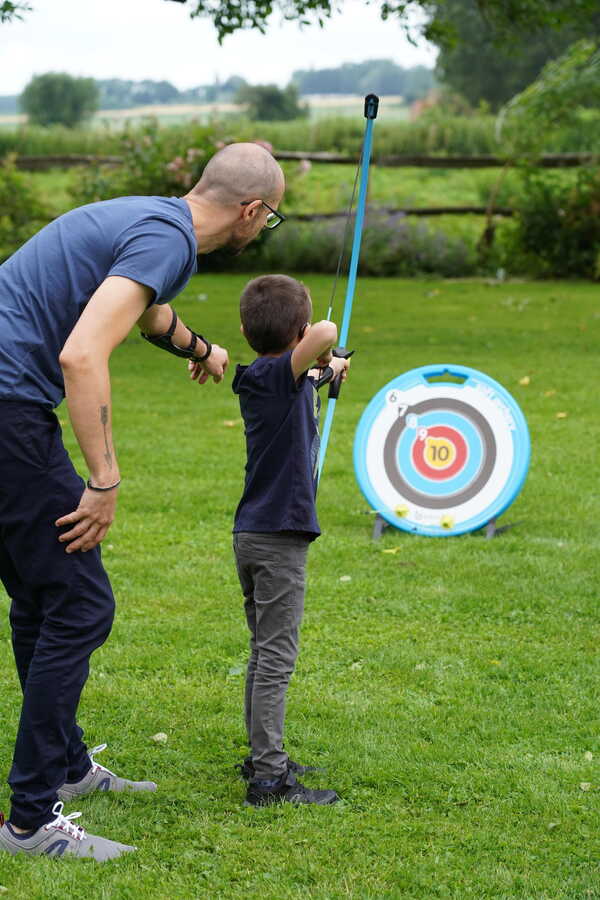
(208, 349)
(111, 487)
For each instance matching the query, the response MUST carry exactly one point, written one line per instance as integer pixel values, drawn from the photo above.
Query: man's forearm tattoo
(104, 419)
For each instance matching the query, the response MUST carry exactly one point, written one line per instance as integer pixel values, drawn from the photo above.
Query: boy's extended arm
(315, 345)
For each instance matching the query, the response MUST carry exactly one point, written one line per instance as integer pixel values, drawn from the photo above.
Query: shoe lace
(65, 822)
(299, 791)
(99, 749)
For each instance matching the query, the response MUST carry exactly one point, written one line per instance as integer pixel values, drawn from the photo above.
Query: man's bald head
(241, 172)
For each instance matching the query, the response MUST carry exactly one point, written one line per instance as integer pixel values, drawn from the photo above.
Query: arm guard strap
(165, 343)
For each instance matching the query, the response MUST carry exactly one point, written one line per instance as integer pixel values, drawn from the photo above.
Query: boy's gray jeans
(271, 568)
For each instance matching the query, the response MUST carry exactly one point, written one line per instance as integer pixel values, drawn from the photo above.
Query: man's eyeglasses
(274, 218)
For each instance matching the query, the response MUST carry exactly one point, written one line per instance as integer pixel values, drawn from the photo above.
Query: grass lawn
(450, 689)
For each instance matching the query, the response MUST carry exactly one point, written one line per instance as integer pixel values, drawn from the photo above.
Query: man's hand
(215, 365)
(91, 520)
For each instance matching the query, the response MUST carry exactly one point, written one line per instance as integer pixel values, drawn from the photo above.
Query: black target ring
(473, 488)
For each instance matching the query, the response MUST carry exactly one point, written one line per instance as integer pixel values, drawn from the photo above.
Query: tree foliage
(10, 11)
(268, 103)
(557, 99)
(59, 99)
(479, 67)
(505, 16)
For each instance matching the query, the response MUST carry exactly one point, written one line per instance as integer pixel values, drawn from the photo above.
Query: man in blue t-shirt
(276, 518)
(68, 297)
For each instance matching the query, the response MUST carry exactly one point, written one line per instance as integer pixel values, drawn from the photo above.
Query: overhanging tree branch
(506, 16)
(10, 11)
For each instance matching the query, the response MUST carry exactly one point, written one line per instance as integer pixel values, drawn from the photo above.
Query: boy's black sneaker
(288, 790)
(246, 769)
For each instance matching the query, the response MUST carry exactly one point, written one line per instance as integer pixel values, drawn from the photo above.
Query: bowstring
(345, 237)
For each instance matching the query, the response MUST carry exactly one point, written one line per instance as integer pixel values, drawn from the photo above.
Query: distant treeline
(118, 93)
(381, 76)
(115, 93)
(9, 105)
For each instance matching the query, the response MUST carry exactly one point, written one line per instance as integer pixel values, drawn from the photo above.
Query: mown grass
(450, 689)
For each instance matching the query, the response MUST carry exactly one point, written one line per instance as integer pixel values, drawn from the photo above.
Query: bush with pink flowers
(155, 162)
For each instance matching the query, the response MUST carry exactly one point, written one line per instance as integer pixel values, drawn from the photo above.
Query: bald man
(68, 297)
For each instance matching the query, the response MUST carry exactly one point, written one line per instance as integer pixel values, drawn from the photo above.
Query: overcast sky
(138, 39)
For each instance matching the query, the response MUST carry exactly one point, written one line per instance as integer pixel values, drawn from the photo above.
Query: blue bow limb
(371, 107)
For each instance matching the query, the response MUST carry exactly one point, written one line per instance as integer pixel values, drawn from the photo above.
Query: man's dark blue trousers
(62, 607)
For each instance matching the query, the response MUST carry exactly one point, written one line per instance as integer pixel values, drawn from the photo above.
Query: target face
(441, 457)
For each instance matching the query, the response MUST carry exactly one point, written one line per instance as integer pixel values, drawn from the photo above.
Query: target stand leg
(492, 530)
(379, 527)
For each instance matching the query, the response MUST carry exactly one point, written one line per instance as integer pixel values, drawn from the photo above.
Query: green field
(180, 114)
(327, 188)
(449, 688)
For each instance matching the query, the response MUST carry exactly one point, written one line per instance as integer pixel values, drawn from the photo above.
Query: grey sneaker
(61, 837)
(100, 779)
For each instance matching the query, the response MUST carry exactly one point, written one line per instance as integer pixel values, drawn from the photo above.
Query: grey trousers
(271, 569)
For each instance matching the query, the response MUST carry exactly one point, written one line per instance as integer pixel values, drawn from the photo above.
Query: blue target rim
(420, 376)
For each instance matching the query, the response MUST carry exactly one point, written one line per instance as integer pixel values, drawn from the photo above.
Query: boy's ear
(304, 330)
(242, 329)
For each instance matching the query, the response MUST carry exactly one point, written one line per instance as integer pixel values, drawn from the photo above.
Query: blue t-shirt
(281, 418)
(46, 284)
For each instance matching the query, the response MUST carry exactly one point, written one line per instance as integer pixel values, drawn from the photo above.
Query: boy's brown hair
(274, 310)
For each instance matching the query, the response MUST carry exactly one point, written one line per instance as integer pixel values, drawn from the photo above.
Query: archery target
(441, 457)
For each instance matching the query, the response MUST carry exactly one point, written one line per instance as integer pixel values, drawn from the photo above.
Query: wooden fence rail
(407, 211)
(484, 161)
(547, 161)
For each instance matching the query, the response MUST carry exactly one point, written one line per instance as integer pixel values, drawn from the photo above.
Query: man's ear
(242, 329)
(249, 210)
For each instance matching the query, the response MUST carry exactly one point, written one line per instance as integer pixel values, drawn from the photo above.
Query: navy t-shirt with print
(46, 284)
(281, 418)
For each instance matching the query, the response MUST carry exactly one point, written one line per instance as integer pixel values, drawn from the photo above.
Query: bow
(371, 106)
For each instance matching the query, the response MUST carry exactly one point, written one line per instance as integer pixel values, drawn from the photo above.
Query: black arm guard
(164, 342)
